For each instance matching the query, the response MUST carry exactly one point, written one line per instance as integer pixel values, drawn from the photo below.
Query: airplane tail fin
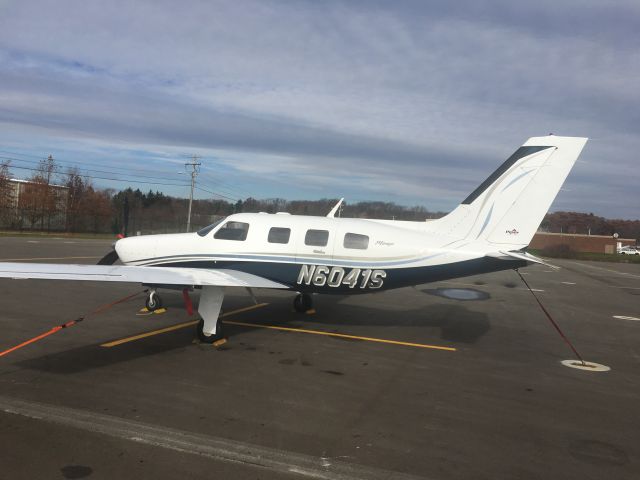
(506, 209)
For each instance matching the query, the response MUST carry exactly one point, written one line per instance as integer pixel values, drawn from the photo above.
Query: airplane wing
(147, 275)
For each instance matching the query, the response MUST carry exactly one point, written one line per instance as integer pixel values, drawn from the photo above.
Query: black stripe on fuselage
(520, 153)
(287, 273)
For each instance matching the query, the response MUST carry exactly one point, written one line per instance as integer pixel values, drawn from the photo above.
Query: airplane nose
(128, 249)
(133, 249)
(121, 250)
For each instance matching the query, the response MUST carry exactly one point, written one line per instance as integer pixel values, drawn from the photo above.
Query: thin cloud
(408, 101)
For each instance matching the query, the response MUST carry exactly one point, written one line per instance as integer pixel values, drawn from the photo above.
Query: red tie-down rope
(71, 323)
(556, 326)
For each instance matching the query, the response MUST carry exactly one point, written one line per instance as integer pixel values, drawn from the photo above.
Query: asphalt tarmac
(493, 402)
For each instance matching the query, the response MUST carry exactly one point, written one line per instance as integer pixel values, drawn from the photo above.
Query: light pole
(194, 164)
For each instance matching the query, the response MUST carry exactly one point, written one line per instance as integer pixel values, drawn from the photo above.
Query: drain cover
(589, 366)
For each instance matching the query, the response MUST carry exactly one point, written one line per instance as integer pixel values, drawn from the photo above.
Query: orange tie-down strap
(71, 323)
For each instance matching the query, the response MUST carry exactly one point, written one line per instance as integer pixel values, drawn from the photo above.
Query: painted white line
(217, 448)
(549, 271)
(70, 242)
(622, 317)
(605, 270)
(533, 289)
(33, 241)
(568, 283)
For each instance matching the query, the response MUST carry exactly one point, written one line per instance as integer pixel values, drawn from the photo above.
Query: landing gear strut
(209, 309)
(214, 337)
(303, 302)
(153, 301)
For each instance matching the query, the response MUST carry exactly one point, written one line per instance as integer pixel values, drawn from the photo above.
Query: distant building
(27, 200)
(580, 243)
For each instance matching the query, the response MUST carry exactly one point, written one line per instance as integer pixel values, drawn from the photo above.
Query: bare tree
(6, 194)
(42, 195)
(77, 201)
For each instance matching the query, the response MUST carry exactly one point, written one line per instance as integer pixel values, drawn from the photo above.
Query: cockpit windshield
(204, 231)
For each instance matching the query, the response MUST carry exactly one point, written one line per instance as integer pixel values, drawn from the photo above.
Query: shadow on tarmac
(456, 324)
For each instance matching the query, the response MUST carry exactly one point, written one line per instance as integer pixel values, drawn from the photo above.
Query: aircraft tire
(302, 302)
(153, 302)
(210, 338)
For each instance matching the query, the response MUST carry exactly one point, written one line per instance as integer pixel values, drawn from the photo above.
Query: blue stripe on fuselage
(283, 259)
(287, 273)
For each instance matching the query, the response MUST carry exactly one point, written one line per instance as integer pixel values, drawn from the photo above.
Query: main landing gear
(153, 301)
(210, 338)
(209, 328)
(303, 303)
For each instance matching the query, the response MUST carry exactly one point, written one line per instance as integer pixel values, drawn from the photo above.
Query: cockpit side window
(204, 231)
(233, 231)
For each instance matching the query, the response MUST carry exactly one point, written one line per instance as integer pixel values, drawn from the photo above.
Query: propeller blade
(109, 259)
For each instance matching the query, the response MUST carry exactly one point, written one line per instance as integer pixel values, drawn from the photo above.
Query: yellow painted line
(341, 335)
(149, 334)
(177, 327)
(46, 258)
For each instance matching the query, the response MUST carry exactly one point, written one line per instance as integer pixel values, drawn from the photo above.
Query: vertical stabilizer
(508, 207)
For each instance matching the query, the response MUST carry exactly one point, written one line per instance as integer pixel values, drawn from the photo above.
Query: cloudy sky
(412, 102)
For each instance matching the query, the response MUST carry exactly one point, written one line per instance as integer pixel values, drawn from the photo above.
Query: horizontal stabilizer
(519, 255)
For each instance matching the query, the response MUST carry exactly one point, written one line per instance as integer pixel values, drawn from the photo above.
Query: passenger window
(357, 241)
(233, 231)
(279, 235)
(316, 238)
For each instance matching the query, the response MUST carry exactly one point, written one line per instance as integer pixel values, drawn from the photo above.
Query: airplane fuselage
(317, 254)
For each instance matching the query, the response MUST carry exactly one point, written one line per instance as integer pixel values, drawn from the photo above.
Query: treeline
(588, 223)
(158, 213)
(53, 200)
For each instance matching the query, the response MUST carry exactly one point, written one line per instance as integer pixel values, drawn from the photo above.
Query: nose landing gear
(153, 301)
(302, 303)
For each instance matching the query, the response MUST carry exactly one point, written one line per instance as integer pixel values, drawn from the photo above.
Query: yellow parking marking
(340, 335)
(45, 258)
(177, 327)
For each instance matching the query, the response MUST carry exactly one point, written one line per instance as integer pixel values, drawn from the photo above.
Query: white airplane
(487, 232)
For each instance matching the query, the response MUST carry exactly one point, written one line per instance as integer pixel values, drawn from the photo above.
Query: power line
(217, 194)
(225, 191)
(211, 191)
(231, 189)
(113, 179)
(224, 186)
(84, 169)
(74, 163)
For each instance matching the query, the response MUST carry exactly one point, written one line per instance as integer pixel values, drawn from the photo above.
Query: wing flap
(131, 274)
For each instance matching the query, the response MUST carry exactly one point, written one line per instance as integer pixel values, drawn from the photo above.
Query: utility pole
(195, 168)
